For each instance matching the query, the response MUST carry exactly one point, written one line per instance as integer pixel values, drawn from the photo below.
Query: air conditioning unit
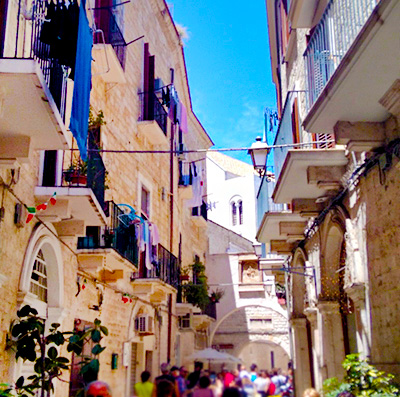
(144, 324)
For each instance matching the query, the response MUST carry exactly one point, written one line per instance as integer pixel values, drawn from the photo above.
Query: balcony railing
(117, 235)
(107, 22)
(331, 39)
(24, 43)
(152, 109)
(166, 269)
(264, 199)
(91, 174)
(288, 135)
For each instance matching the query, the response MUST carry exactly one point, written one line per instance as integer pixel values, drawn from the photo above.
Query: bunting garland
(41, 207)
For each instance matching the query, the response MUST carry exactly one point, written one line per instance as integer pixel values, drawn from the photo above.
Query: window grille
(234, 214)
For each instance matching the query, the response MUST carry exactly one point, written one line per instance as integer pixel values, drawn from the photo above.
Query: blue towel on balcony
(83, 76)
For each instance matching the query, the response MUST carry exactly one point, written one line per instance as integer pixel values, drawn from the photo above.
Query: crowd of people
(178, 382)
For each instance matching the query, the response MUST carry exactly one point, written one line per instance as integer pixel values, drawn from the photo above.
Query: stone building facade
(338, 100)
(84, 249)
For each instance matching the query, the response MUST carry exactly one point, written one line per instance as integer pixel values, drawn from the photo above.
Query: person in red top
(229, 378)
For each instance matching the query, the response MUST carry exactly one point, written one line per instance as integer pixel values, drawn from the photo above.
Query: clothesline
(267, 147)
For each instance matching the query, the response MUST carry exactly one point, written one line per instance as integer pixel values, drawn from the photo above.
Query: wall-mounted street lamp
(258, 152)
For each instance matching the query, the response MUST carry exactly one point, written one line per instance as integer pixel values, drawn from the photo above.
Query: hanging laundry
(83, 78)
(166, 96)
(183, 119)
(197, 186)
(185, 168)
(155, 237)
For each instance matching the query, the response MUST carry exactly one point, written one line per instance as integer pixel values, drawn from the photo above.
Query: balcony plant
(76, 173)
(216, 295)
(196, 291)
(184, 276)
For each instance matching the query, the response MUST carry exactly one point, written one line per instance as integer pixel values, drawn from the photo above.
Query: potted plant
(184, 276)
(216, 295)
(196, 291)
(76, 173)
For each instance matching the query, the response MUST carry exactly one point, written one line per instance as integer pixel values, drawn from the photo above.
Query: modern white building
(251, 321)
(232, 187)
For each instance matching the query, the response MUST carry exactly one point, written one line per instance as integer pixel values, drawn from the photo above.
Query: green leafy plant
(30, 341)
(96, 120)
(361, 379)
(196, 291)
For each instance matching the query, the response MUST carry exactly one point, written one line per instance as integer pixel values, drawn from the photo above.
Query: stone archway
(251, 326)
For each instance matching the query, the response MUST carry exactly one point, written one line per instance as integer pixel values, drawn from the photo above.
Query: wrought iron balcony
(106, 21)
(166, 268)
(339, 26)
(118, 235)
(264, 198)
(90, 174)
(290, 134)
(152, 109)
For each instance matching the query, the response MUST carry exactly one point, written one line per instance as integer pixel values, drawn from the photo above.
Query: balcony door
(51, 168)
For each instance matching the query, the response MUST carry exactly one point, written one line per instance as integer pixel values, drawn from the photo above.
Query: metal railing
(264, 199)
(166, 269)
(117, 235)
(90, 174)
(23, 32)
(106, 21)
(287, 135)
(152, 109)
(333, 36)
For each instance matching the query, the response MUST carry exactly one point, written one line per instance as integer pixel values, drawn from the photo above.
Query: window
(234, 214)
(38, 285)
(145, 203)
(240, 205)
(236, 206)
(184, 321)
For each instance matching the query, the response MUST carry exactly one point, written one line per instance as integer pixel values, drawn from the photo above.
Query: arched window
(240, 205)
(234, 213)
(38, 285)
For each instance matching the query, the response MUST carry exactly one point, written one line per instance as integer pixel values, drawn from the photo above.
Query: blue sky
(227, 59)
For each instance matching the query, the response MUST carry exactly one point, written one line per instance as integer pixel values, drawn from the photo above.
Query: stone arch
(332, 245)
(43, 238)
(249, 324)
(298, 283)
(273, 306)
(266, 353)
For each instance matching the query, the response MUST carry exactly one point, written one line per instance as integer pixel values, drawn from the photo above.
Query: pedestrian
(98, 388)
(165, 388)
(181, 380)
(145, 387)
(231, 392)
(243, 372)
(165, 375)
(194, 376)
(279, 381)
(228, 378)
(311, 392)
(203, 389)
(262, 383)
(248, 387)
(253, 372)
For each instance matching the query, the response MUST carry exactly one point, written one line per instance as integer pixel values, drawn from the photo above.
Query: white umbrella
(210, 354)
